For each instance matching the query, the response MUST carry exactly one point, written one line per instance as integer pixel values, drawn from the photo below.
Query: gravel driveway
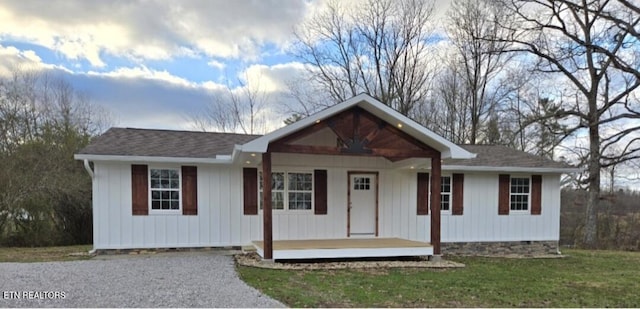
(180, 279)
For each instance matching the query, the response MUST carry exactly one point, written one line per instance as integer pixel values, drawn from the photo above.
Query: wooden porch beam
(305, 149)
(375, 132)
(436, 171)
(342, 136)
(328, 150)
(409, 138)
(267, 228)
(402, 153)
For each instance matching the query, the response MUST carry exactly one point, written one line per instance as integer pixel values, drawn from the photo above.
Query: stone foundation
(526, 248)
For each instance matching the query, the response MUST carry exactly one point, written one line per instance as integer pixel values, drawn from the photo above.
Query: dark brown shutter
(458, 194)
(189, 190)
(536, 194)
(504, 203)
(139, 190)
(320, 191)
(250, 190)
(423, 194)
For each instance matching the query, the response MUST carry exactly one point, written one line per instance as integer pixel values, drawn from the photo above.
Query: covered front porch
(344, 248)
(360, 127)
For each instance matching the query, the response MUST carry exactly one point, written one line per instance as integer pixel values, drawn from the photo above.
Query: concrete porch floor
(345, 248)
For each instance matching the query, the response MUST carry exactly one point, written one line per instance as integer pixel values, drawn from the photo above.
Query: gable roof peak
(378, 109)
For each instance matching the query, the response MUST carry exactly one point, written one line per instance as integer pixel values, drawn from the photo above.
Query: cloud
(216, 64)
(143, 30)
(12, 58)
(142, 72)
(273, 78)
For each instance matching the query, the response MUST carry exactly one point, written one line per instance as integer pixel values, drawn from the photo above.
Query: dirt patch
(254, 260)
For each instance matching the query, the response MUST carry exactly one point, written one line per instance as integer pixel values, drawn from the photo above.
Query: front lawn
(45, 254)
(585, 279)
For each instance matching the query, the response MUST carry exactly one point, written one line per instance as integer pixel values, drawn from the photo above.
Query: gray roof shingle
(503, 156)
(190, 144)
(164, 143)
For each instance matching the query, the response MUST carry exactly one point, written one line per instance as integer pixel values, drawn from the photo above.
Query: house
(356, 179)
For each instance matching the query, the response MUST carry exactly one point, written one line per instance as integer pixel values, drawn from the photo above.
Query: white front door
(362, 204)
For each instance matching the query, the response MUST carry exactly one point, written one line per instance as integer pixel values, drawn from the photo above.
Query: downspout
(90, 171)
(88, 168)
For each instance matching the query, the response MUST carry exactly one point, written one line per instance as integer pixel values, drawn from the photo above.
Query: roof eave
(511, 169)
(220, 159)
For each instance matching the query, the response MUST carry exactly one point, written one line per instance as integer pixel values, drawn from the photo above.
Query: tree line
(45, 195)
(618, 221)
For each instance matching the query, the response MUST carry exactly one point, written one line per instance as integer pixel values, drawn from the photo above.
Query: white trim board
(293, 254)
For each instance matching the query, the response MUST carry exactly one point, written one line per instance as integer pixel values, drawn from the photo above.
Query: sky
(155, 64)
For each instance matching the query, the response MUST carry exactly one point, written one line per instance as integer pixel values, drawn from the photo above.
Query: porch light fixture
(248, 162)
(400, 125)
(317, 120)
(253, 154)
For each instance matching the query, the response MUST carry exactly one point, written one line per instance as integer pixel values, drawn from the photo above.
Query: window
(519, 193)
(361, 183)
(300, 190)
(445, 193)
(296, 192)
(164, 186)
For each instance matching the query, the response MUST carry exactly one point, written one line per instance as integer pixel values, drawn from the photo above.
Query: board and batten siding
(397, 205)
(481, 222)
(220, 220)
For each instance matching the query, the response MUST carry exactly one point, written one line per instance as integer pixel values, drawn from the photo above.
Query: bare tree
(451, 95)
(528, 119)
(238, 109)
(580, 43)
(379, 47)
(479, 62)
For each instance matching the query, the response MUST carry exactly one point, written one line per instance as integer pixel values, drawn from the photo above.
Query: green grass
(44, 254)
(585, 279)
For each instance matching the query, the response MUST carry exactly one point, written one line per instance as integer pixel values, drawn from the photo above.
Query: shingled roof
(164, 143)
(190, 144)
(503, 156)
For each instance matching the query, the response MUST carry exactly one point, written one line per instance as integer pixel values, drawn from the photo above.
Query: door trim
(349, 173)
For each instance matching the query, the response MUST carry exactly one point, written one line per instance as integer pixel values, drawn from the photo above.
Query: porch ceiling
(357, 132)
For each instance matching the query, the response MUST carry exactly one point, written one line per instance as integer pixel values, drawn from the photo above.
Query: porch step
(249, 248)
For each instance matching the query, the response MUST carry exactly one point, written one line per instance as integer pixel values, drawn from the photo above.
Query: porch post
(435, 203)
(267, 229)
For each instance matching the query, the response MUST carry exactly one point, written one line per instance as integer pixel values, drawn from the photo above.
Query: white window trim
(450, 194)
(285, 194)
(165, 211)
(528, 210)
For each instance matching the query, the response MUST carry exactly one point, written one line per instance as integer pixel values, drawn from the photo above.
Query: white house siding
(220, 221)
(481, 222)
(306, 224)
(397, 206)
